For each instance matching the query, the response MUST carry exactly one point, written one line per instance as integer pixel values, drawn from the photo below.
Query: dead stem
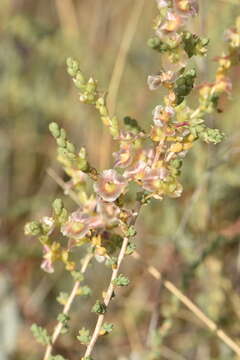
(191, 306)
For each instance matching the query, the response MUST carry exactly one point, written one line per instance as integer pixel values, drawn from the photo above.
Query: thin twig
(67, 307)
(111, 287)
(191, 306)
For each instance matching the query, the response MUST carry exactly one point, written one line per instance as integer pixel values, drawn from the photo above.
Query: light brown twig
(191, 306)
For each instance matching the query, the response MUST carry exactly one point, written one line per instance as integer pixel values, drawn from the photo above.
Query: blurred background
(193, 240)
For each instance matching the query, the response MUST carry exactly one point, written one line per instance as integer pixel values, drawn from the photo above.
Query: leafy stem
(111, 286)
(67, 307)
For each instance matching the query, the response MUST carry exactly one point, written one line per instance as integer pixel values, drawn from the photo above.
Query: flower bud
(54, 129)
(72, 67)
(33, 228)
(57, 206)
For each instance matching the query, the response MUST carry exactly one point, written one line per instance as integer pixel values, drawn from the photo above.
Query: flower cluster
(171, 39)
(210, 92)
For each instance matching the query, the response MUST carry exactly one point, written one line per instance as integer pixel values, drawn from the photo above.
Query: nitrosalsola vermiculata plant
(152, 160)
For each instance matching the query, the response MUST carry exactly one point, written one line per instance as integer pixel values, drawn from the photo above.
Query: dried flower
(187, 7)
(124, 156)
(142, 159)
(162, 115)
(77, 225)
(153, 179)
(163, 78)
(109, 212)
(110, 185)
(172, 23)
(162, 3)
(50, 255)
(48, 225)
(232, 36)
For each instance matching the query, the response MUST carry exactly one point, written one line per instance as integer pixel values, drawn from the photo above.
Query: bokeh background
(193, 240)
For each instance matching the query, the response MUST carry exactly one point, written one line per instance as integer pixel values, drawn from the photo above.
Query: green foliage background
(193, 240)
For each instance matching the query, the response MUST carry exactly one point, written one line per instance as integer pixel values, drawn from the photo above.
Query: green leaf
(63, 318)
(85, 291)
(77, 275)
(111, 261)
(33, 228)
(57, 357)
(121, 280)
(62, 298)
(84, 336)
(130, 248)
(54, 129)
(131, 231)
(40, 334)
(99, 308)
(107, 328)
(57, 206)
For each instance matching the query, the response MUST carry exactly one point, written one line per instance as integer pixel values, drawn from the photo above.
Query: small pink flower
(232, 36)
(47, 264)
(175, 63)
(124, 156)
(162, 115)
(153, 178)
(109, 212)
(223, 84)
(48, 225)
(162, 3)
(187, 8)
(163, 78)
(77, 226)
(129, 136)
(171, 24)
(154, 81)
(142, 159)
(136, 171)
(110, 185)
